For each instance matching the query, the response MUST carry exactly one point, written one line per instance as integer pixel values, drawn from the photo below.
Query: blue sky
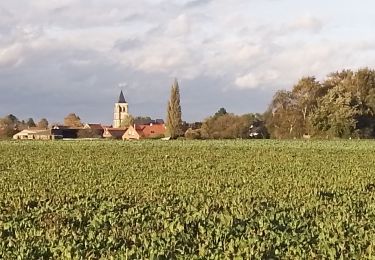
(58, 56)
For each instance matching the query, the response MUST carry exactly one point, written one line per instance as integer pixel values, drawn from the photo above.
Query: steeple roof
(121, 98)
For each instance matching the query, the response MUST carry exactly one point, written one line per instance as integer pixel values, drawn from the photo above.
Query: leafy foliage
(225, 126)
(174, 121)
(128, 121)
(72, 120)
(335, 113)
(8, 126)
(192, 200)
(30, 122)
(43, 123)
(343, 105)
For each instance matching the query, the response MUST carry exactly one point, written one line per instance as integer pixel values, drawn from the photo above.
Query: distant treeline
(341, 106)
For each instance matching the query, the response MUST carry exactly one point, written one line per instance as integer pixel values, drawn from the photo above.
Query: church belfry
(120, 112)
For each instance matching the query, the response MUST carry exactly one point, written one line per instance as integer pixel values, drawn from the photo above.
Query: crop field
(187, 200)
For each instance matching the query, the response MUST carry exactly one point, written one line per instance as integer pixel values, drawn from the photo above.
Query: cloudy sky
(61, 56)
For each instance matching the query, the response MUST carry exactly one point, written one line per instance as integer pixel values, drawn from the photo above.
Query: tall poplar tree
(174, 121)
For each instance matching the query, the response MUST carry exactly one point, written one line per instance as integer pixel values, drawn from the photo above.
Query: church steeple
(121, 98)
(120, 113)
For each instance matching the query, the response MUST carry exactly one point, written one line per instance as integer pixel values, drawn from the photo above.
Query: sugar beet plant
(187, 200)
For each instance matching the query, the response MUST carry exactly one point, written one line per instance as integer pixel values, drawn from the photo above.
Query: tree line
(340, 106)
(222, 125)
(10, 125)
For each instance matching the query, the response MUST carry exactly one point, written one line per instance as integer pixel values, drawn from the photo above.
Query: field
(190, 200)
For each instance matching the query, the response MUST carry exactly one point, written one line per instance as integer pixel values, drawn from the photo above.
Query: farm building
(114, 133)
(93, 126)
(144, 131)
(66, 131)
(37, 134)
(154, 130)
(132, 133)
(92, 129)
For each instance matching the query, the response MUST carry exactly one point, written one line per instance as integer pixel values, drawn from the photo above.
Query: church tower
(121, 111)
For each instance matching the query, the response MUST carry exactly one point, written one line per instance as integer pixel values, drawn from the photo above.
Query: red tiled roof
(151, 130)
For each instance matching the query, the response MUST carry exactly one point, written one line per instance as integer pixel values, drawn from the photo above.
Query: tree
(335, 114)
(43, 123)
(342, 105)
(174, 121)
(12, 118)
(192, 134)
(128, 121)
(227, 126)
(283, 119)
(362, 87)
(8, 126)
(222, 111)
(360, 84)
(30, 123)
(142, 120)
(72, 120)
(305, 95)
(288, 113)
(335, 78)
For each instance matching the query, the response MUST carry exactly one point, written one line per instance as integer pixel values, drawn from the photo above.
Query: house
(66, 131)
(37, 134)
(133, 133)
(93, 126)
(93, 130)
(114, 133)
(147, 121)
(145, 131)
(258, 130)
(159, 121)
(154, 130)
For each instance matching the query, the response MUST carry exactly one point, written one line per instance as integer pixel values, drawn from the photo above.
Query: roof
(94, 126)
(36, 128)
(151, 130)
(115, 132)
(116, 129)
(60, 127)
(64, 127)
(34, 132)
(136, 129)
(121, 98)
(159, 121)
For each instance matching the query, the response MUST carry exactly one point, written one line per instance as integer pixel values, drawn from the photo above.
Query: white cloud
(180, 26)
(255, 80)
(11, 56)
(232, 43)
(308, 23)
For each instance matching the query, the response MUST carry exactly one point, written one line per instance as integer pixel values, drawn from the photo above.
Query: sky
(63, 56)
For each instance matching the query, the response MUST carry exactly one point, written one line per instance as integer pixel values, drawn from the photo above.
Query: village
(144, 129)
(221, 125)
